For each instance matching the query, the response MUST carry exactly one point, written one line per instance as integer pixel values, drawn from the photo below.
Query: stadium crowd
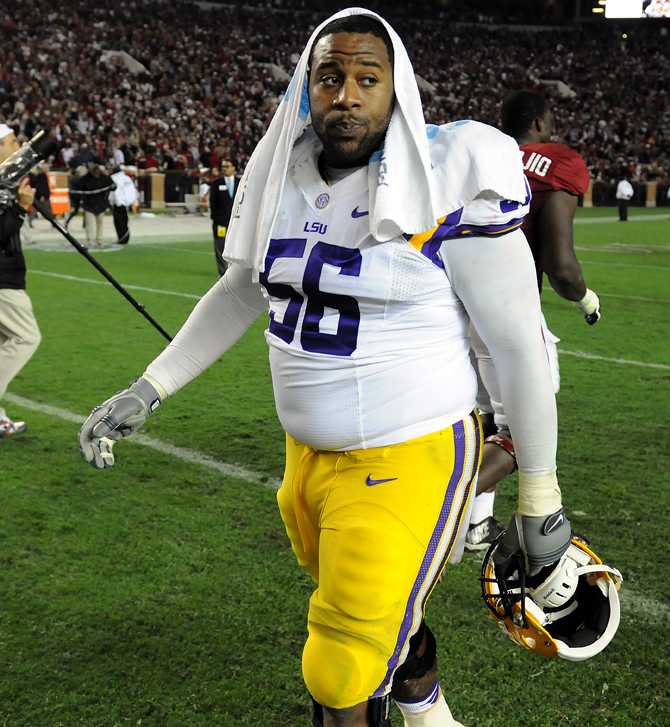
(199, 83)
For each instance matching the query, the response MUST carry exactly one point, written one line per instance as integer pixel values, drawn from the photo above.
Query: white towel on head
(418, 176)
(5, 131)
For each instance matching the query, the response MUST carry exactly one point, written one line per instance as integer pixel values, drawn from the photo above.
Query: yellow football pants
(374, 528)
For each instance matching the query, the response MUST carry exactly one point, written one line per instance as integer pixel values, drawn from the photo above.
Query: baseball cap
(5, 131)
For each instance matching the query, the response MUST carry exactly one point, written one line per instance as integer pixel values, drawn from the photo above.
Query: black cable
(83, 251)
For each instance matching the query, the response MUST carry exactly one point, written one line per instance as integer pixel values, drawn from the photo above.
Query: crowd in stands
(200, 83)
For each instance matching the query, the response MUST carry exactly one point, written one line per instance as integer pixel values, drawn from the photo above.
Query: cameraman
(19, 334)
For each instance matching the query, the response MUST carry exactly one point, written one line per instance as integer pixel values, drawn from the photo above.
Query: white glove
(589, 305)
(120, 416)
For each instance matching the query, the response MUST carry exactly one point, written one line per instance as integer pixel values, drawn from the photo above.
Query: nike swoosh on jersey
(355, 214)
(371, 483)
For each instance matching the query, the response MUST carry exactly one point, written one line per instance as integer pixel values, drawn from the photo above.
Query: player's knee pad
(340, 670)
(415, 666)
(378, 713)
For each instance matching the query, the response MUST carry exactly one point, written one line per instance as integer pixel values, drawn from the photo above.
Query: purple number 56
(344, 341)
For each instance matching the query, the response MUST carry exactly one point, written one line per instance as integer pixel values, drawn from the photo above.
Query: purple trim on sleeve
(431, 248)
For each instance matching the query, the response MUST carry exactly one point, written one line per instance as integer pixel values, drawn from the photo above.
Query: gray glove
(535, 541)
(121, 415)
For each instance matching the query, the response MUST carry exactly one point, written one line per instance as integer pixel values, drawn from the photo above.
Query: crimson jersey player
(557, 175)
(551, 168)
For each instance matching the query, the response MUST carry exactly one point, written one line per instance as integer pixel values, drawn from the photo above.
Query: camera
(12, 170)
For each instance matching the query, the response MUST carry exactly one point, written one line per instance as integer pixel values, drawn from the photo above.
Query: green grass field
(164, 592)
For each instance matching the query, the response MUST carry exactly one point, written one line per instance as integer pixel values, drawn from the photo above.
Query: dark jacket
(220, 202)
(40, 182)
(12, 262)
(101, 186)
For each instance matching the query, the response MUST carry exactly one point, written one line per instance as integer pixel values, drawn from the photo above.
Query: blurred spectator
(189, 100)
(624, 193)
(95, 187)
(221, 196)
(121, 198)
(39, 180)
(75, 193)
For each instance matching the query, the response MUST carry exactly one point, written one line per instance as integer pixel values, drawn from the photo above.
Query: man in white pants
(19, 334)
(124, 196)
(624, 194)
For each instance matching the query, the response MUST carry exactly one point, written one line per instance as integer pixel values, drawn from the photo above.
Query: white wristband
(589, 303)
(539, 494)
(163, 395)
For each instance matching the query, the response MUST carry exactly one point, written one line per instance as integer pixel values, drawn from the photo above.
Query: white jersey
(368, 341)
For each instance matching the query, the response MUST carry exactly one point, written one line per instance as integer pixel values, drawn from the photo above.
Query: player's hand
(589, 305)
(120, 416)
(533, 542)
(25, 194)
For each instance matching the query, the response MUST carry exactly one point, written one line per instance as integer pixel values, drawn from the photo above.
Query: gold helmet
(570, 609)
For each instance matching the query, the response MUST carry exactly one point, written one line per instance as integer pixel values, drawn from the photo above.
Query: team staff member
(94, 188)
(19, 333)
(369, 352)
(221, 196)
(557, 176)
(124, 196)
(624, 194)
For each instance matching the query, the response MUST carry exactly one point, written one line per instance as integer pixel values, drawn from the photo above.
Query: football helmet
(570, 609)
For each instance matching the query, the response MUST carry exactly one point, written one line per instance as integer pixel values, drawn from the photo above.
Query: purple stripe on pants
(459, 461)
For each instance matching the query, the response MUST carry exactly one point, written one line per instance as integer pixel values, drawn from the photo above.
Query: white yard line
(634, 603)
(634, 297)
(614, 218)
(171, 248)
(607, 359)
(92, 281)
(617, 249)
(186, 455)
(664, 268)
(604, 294)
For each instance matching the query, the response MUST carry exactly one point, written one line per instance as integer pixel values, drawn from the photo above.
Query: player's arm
(557, 255)
(495, 280)
(558, 259)
(216, 323)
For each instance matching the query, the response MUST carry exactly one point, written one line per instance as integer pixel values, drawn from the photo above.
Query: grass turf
(162, 593)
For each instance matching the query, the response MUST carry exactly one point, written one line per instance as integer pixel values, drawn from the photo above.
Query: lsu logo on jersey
(537, 164)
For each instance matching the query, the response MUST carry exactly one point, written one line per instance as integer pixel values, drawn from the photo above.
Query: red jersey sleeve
(555, 167)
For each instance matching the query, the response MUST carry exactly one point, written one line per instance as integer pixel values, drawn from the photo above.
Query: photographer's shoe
(9, 428)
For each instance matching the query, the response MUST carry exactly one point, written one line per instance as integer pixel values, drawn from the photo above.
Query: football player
(557, 176)
(369, 354)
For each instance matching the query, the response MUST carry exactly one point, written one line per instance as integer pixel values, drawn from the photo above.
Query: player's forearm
(530, 406)
(508, 320)
(568, 282)
(215, 325)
